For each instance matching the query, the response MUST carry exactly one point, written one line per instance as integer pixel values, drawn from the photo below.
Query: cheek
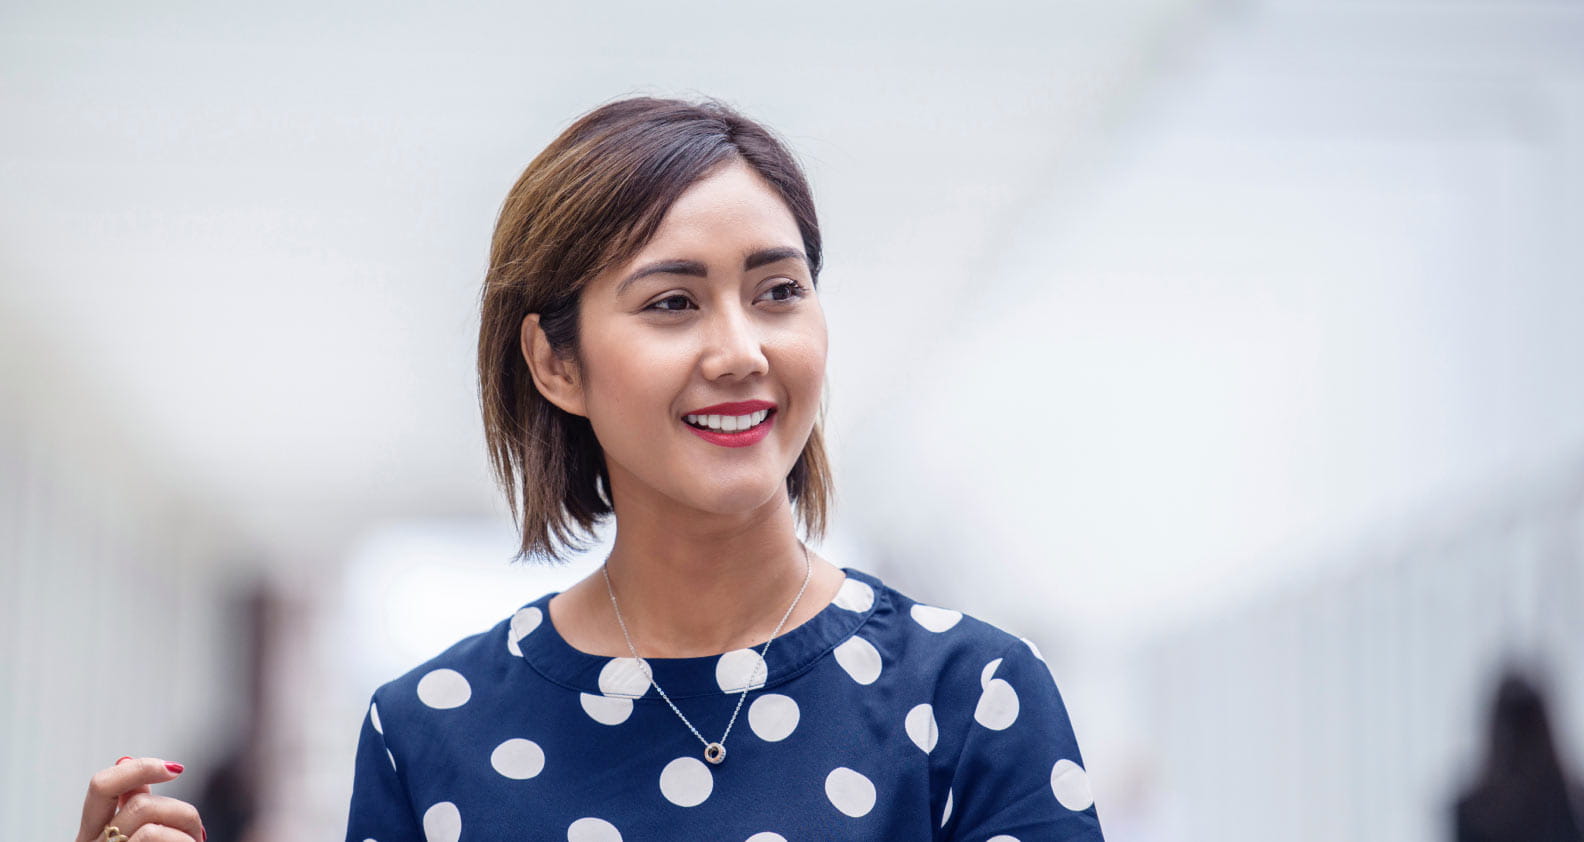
(623, 390)
(638, 397)
(808, 354)
(803, 371)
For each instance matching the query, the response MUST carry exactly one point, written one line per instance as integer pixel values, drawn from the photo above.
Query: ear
(556, 378)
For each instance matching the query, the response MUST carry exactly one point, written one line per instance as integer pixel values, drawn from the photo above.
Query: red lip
(735, 408)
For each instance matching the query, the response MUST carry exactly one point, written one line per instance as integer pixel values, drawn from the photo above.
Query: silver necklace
(713, 752)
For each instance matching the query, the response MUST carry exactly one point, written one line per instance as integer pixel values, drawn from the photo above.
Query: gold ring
(113, 834)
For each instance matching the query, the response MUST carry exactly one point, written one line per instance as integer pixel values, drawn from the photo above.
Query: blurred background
(1232, 351)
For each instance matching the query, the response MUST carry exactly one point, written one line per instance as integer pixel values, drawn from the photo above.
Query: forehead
(729, 209)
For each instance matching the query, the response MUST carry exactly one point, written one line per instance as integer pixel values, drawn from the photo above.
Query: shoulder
(469, 667)
(984, 693)
(944, 629)
(952, 659)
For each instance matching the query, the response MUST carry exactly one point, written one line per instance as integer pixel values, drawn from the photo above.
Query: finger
(109, 784)
(121, 801)
(144, 809)
(173, 768)
(159, 833)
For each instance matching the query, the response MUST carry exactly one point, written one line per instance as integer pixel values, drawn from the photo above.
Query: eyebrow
(753, 261)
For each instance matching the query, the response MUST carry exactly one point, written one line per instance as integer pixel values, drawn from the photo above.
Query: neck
(694, 589)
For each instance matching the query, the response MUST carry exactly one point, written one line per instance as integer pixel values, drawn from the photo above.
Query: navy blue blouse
(882, 719)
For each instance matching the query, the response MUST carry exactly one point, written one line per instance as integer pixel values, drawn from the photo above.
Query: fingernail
(118, 762)
(205, 834)
(174, 767)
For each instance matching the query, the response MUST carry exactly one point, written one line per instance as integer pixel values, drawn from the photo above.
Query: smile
(729, 423)
(732, 430)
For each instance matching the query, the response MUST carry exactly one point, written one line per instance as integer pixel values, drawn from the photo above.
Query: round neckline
(791, 653)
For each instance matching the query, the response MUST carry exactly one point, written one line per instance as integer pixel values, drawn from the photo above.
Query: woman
(653, 348)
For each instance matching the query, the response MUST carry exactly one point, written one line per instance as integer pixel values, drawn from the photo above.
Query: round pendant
(715, 753)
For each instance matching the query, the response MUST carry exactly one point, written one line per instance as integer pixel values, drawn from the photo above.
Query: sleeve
(1020, 777)
(380, 808)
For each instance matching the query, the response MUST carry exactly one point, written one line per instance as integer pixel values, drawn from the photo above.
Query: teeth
(728, 423)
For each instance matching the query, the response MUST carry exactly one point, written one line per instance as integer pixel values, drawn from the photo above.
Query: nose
(734, 345)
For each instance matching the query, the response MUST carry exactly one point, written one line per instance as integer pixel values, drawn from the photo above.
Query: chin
(741, 500)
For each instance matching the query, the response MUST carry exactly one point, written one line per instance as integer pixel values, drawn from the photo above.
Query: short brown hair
(587, 203)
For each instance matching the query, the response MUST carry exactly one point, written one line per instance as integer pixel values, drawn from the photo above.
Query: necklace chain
(713, 752)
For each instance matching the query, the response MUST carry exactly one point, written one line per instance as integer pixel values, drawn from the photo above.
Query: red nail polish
(206, 834)
(174, 767)
(119, 762)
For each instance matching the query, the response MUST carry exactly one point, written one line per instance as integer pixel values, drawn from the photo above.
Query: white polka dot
(374, 718)
(1002, 838)
(442, 823)
(1032, 648)
(920, 727)
(606, 710)
(624, 677)
(767, 836)
(443, 689)
(523, 622)
(773, 717)
(518, 759)
(935, 619)
(1071, 784)
(686, 782)
(860, 659)
(851, 792)
(392, 758)
(946, 813)
(998, 706)
(854, 595)
(988, 673)
(735, 669)
(593, 830)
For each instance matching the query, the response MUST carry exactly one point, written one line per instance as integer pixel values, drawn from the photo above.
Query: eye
(793, 290)
(670, 299)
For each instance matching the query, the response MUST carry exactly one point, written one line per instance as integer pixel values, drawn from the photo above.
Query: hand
(119, 795)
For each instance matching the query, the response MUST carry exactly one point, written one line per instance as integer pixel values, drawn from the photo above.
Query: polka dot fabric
(881, 719)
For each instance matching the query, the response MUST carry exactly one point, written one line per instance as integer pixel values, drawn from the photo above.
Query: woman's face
(717, 308)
